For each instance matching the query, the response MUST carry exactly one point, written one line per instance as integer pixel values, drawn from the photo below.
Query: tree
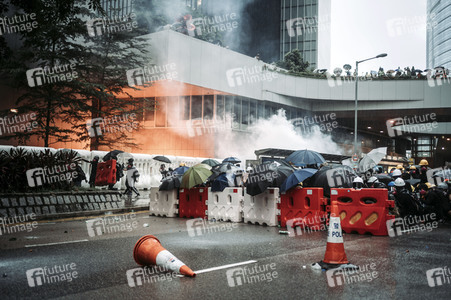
(293, 62)
(72, 77)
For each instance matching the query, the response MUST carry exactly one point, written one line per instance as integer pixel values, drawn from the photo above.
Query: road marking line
(222, 267)
(59, 243)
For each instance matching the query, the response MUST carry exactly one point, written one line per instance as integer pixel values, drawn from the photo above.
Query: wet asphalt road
(395, 267)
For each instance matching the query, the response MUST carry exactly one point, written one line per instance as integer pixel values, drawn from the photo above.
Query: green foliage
(15, 163)
(293, 62)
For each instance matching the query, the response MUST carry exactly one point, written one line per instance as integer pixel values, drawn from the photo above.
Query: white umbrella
(372, 159)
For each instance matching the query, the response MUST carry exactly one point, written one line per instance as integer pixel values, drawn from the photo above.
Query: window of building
(244, 113)
(228, 105)
(160, 114)
(220, 107)
(236, 113)
(173, 108)
(196, 107)
(208, 107)
(184, 107)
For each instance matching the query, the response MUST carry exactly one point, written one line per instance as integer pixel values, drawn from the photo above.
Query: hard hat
(430, 185)
(399, 182)
(442, 186)
(413, 168)
(182, 165)
(248, 169)
(424, 162)
(358, 179)
(396, 172)
(357, 183)
(391, 183)
(372, 179)
(399, 167)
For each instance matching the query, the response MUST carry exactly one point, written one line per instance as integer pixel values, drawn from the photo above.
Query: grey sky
(362, 29)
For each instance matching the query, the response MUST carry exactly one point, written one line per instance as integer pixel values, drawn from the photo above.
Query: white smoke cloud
(275, 132)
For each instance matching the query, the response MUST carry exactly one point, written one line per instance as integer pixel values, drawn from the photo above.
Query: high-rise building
(438, 44)
(274, 28)
(305, 25)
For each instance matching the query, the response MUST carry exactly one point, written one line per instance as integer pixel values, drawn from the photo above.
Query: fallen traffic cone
(148, 251)
(335, 256)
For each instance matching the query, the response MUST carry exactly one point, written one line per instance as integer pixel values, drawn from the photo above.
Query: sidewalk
(57, 205)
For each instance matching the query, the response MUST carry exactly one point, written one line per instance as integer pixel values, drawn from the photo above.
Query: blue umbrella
(303, 158)
(296, 177)
(232, 160)
(180, 170)
(220, 183)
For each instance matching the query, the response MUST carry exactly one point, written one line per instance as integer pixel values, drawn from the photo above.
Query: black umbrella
(170, 183)
(210, 162)
(162, 159)
(280, 173)
(339, 176)
(302, 158)
(384, 178)
(266, 175)
(220, 183)
(232, 160)
(112, 155)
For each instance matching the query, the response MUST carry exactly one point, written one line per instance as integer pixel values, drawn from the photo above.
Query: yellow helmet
(429, 185)
(413, 168)
(182, 164)
(424, 162)
(399, 167)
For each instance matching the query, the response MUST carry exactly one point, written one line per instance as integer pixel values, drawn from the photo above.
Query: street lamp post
(356, 91)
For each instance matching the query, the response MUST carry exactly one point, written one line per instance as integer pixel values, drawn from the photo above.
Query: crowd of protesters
(413, 192)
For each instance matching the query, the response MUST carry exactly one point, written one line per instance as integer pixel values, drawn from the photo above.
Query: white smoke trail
(275, 132)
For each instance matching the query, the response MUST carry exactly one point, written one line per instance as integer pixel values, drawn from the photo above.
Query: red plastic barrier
(363, 211)
(106, 173)
(303, 206)
(193, 202)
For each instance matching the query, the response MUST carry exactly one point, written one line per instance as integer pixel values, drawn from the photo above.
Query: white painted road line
(222, 267)
(59, 243)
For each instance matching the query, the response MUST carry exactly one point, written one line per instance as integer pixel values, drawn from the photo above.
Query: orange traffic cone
(148, 251)
(335, 256)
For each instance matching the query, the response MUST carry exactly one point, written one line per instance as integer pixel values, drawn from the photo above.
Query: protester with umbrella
(296, 178)
(210, 162)
(303, 158)
(196, 175)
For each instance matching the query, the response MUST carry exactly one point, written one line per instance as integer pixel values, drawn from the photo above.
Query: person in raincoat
(131, 178)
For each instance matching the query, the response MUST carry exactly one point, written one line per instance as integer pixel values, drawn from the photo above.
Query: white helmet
(358, 179)
(357, 183)
(396, 172)
(399, 182)
(372, 179)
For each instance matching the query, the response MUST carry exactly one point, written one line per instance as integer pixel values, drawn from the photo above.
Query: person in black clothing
(423, 176)
(163, 171)
(404, 200)
(373, 182)
(92, 175)
(80, 175)
(414, 172)
(438, 198)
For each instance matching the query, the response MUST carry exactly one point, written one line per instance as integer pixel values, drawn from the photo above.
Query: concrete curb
(91, 213)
